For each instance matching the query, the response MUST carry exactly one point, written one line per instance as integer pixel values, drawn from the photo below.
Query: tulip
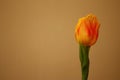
(86, 34)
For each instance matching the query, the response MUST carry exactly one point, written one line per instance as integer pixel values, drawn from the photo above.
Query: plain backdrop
(37, 39)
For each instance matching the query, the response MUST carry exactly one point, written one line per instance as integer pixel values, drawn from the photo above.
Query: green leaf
(84, 59)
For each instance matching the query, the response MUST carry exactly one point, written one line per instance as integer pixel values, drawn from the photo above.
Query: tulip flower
(86, 34)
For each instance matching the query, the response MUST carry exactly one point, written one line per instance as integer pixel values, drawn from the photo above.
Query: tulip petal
(86, 31)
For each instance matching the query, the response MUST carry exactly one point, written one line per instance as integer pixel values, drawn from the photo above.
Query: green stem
(84, 58)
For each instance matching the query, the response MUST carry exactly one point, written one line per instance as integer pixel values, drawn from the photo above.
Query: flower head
(86, 31)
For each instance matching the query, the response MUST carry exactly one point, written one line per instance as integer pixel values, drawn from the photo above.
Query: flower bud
(86, 31)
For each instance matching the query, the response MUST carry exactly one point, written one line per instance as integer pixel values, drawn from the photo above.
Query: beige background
(37, 39)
